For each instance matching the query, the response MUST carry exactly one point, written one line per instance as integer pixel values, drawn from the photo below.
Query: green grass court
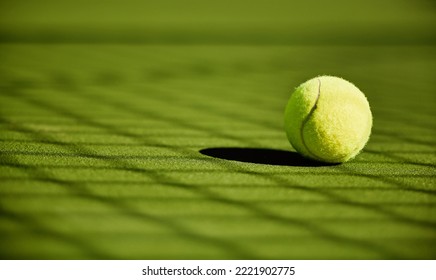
(155, 131)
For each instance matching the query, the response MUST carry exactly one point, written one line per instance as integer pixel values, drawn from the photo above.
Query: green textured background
(106, 105)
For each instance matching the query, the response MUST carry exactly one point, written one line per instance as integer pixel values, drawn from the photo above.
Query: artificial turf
(169, 149)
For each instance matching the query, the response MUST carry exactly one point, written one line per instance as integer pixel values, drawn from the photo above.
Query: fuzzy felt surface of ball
(328, 119)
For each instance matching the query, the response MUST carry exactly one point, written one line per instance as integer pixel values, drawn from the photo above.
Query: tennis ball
(328, 119)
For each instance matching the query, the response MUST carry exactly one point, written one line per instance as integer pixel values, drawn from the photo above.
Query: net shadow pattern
(232, 248)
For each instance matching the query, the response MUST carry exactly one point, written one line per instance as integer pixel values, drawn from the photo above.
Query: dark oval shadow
(261, 156)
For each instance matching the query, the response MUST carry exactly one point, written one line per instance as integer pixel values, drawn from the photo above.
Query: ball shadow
(261, 156)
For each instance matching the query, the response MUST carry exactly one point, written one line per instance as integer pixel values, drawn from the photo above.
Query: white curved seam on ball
(307, 119)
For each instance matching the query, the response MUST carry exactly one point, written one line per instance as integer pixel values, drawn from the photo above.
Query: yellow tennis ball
(328, 119)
